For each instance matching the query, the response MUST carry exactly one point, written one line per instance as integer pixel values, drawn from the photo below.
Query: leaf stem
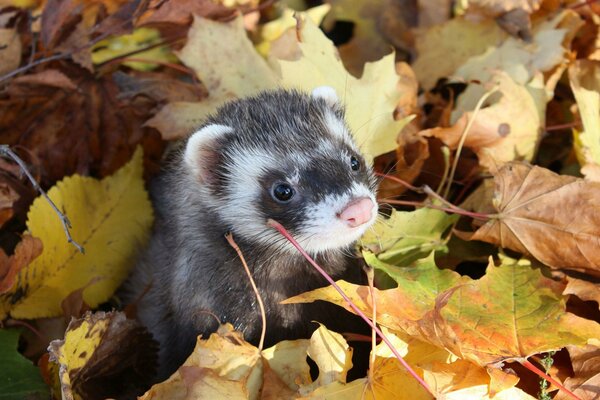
(547, 377)
(261, 305)
(5, 150)
(289, 237)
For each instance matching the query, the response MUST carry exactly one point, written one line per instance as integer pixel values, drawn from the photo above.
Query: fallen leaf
(10, 50)
(585, 290)
(115, 47)
(584, 76)
(548, 216)
(508, 129)
(408, 236)
(524, 61)
(26, 251)
(400, 308)
(455, 42)
(111, 219)
(95, 359)
(585, 384)
(370, 101)
(389, 379)
(272, 30)
(368, 43)
(226, 77)
(499, 317)
(222, 366)
(182, 12)
(20, 379)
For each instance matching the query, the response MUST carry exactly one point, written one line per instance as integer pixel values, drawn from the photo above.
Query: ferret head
(286, 156)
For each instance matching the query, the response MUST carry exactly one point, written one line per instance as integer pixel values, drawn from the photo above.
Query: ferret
(281, 155)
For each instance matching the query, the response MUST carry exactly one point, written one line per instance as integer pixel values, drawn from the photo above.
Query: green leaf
(19, 378)
(408, 236)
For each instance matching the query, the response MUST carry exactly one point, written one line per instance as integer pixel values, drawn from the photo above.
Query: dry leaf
(508, 129)
(584, 76)
(10, 50)
(551, 217)
(95, 360)
(585, 384)
(110, 218)
(585, 290)
(26, 251)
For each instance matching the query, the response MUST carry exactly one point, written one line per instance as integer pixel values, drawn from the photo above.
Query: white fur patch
(240, 208)
(199, 140)
(323, 229)
(326, 93)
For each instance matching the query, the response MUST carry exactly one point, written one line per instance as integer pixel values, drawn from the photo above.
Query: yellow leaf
(222, 367)
(454, 42)
(228, 72)
(272, 30)
(111, 218)
(92, 351)
(370, 101)
(585, 82)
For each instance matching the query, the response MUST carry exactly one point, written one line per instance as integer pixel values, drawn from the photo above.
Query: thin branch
(276, 225)
(59, 56)
(474, 215)
(547, 377)
(261, 305)
(5, 150)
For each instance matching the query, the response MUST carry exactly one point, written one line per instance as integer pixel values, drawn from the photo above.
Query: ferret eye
(354, 163)
(283, 192)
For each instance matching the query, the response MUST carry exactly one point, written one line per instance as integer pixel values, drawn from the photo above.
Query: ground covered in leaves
(482, 118)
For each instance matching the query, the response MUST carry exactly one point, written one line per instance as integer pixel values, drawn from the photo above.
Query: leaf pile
(481, 117)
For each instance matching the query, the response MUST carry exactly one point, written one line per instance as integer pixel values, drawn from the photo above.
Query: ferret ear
(326, 93)
(200, 154)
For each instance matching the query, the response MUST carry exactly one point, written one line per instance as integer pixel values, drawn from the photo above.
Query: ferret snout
(357, 212)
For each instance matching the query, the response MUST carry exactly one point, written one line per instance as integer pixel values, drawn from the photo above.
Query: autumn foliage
(482, 119)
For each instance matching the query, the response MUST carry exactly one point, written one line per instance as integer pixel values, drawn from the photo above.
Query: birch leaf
(111, 219)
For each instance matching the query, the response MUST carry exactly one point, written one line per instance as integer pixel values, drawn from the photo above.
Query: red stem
(547, 377)
(288, 236)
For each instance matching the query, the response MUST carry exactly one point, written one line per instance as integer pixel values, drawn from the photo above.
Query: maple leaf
(399, 308)
(509, 314)
(98, 211)
(370, 101)
(548, 216)
(95, 360)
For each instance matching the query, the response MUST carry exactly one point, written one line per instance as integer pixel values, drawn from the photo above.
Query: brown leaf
(10, 50)
(551, 217)
(180, 12)
(27, 250)
(585, 384)
(49, 77)
(96, 359)
(585, 290)
(74, 122)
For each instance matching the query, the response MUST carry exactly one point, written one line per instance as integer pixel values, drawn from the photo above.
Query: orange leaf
(28, 249)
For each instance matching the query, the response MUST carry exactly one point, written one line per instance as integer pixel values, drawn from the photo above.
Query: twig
(261, 305)
(5, 150)
(474, 215)
(24, 68)
(288, 236)
(463, 138)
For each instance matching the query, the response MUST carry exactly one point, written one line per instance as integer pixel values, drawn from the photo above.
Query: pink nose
(357, 212)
